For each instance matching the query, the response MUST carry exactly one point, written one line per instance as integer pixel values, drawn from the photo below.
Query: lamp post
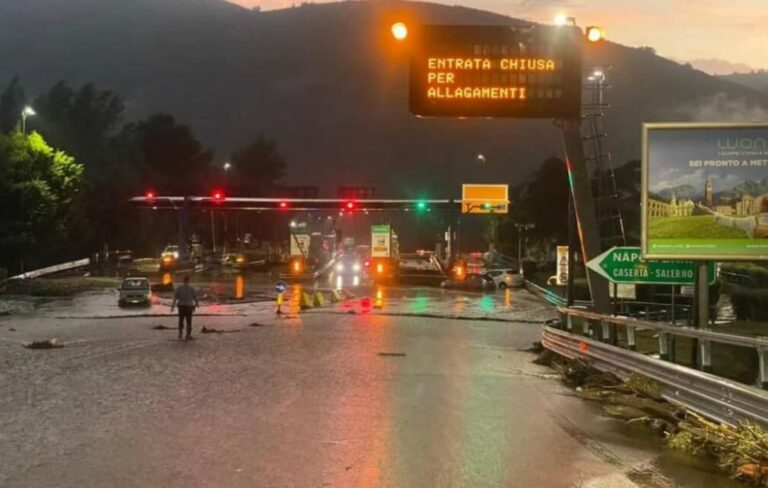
(24, 114)
(520, 229)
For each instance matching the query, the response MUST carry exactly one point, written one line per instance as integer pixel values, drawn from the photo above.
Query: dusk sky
(684, 30)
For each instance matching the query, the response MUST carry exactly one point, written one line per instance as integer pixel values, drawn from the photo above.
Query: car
(349, 270)
(471, 282)
(506, 278)
(168, 257)
(134, 290)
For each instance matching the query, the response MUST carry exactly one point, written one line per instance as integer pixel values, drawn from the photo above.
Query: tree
(171, 160)
(543, 201)
(81, 122)
(258, 166)
(37, 187)
(12, 102)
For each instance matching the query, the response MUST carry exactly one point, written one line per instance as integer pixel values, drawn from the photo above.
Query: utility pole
(520, 229)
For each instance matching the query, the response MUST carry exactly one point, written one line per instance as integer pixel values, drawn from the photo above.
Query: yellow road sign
(484, 199)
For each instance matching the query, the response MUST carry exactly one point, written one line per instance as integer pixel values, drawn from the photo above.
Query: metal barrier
(705, 337)
(551, 297)
(714, 397)
(80, 263)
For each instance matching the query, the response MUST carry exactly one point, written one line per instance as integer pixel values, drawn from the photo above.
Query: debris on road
(208, 330)
(392, 354)
(742, 451)
(46, 344)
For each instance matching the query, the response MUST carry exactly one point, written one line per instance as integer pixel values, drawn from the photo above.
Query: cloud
(722, 108)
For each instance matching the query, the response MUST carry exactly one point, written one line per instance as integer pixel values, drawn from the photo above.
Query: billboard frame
(644, 183)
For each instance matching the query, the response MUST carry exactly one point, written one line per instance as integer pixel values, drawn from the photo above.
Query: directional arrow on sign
(625, 265)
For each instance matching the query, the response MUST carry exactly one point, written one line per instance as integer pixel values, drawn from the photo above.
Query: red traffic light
(283, 204)
(349, 205)
(217, 196)
(150, 195)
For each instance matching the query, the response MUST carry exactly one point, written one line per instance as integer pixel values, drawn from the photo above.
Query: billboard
(705, 191)
(496, 71)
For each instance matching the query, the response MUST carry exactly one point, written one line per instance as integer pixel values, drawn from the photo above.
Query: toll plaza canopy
(219, 201)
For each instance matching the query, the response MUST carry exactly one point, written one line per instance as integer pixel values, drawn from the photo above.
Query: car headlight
(339, 267)
(176, 255)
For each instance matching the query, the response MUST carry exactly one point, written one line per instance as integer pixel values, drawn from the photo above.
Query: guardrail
(551, 297)
(705, 337)
(714, 397)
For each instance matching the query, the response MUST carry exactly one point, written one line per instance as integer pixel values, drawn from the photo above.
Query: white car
(506, 278)
(134, 290)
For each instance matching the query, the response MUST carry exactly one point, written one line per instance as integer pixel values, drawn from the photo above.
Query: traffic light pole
(183, 229)
(584, 206)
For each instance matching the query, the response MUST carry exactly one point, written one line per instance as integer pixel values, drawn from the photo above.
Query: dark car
(472, 282)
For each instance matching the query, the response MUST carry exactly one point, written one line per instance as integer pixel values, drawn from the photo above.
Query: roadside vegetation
(67, 175)
(741, 450)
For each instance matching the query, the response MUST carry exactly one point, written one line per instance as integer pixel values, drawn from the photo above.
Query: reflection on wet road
(344, 400)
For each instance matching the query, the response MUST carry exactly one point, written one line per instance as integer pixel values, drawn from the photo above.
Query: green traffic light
(421, 206)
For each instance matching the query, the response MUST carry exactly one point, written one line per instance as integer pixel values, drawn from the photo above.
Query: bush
(755, 271)
(750, 303)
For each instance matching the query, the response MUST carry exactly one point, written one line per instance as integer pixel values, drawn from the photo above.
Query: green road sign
(624, 265)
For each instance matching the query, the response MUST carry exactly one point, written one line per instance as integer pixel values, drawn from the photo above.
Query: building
(674, 208)
(745, 205)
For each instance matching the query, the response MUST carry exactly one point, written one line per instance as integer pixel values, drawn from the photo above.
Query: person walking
(186, 298)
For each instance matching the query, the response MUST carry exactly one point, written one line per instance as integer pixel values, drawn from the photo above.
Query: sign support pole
(702, 348)
(584, 206)
(573, 242)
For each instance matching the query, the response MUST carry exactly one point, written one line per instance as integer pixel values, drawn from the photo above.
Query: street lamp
(24, 114)
(399, 31)
(481, 158)
(227, 166)
(562, 19)
(520, 229)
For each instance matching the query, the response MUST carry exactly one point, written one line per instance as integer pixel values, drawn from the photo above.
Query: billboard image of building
(705, 191)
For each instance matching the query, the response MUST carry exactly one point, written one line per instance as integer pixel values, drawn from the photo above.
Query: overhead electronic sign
(496, 71)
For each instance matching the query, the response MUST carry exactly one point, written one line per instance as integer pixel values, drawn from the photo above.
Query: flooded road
(391, 387)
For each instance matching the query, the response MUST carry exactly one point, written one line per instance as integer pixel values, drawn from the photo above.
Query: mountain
(750, 187)
(720, 66)
(682, 192)
(330, 85)
(757, 80)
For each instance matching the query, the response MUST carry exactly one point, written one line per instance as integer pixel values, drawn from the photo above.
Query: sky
(706, 31)
(687, 157)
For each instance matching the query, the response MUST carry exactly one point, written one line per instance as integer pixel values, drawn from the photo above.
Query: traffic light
(421, 206)
(283, 205)
(349, 206)
(150, 196)
(218, 196)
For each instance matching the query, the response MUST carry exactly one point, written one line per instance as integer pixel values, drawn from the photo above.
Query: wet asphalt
(432, 389)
